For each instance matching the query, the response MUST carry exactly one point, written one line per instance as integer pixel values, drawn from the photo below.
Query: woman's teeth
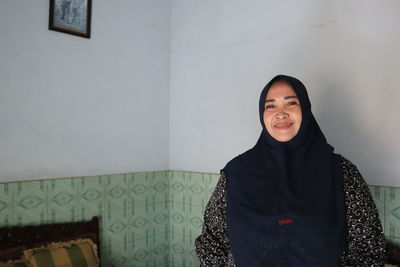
(283, 125)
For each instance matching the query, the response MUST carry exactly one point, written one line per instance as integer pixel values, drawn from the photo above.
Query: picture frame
(71, 16)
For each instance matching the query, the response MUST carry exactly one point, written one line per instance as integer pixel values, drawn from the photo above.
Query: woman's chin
(283, 137)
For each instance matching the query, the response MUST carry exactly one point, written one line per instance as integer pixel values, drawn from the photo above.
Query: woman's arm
(365, 240)
(212, 246)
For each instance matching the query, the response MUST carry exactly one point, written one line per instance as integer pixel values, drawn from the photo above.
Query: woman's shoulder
(232, 165)
(351, 175)
(347, 164)
(241, 159)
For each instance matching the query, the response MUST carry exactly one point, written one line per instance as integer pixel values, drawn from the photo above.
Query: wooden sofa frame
(14, 240)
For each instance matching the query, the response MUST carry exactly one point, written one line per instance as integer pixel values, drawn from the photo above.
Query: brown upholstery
(13, 240)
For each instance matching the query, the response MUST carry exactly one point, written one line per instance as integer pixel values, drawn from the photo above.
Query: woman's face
(282, 112)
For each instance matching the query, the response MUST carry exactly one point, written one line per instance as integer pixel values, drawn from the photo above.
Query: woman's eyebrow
(292, 96)
(286, 97)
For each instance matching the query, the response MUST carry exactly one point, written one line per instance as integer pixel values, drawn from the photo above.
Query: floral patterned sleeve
(365, 238)
(212, 246)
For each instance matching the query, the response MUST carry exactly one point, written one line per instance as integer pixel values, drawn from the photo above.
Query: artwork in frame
(71, 16)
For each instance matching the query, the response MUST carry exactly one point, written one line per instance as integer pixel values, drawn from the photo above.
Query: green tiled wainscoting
(133, 211)
(387, 199)
(189, 194)
(147, 219)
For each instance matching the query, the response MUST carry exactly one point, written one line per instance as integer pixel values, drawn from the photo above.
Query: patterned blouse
(365, 244)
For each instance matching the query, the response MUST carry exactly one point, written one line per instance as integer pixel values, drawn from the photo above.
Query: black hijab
(285, 203)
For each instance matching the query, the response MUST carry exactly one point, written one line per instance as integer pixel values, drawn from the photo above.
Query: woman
(290, 200)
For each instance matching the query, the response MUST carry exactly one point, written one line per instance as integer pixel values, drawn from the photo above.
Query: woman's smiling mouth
(283, 125)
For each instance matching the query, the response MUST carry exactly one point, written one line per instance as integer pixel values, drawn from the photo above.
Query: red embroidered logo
(285, 221)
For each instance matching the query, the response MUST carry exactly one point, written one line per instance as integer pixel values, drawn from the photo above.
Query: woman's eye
(269, 106)
(292, 103)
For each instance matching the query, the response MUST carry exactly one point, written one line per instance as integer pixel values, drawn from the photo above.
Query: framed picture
(71, 16)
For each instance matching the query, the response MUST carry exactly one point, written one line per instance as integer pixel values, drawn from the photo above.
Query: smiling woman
(290, 200)
(282, 115)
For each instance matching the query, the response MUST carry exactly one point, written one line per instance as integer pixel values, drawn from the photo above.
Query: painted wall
(70, 106)
(346, 52)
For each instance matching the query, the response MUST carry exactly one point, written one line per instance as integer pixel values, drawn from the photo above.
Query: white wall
(71, 106)
(346, 52)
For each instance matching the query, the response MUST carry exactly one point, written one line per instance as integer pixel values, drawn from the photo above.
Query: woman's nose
(282, 115)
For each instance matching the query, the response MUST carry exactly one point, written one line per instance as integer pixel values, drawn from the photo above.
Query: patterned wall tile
(140, 188)
(186, 214)
(132, 223)
(186, 220)
(212, 181)
(142, 253)
(196, 188)
(186, 223)
(182, 248)
(160, 249)
(132, 208)
(116, 231)
(31, 203)
(151, 187)
(116, 191)
(177, 185)
(191, 188)
(182, 254)
(392, 212)
(159, 187)
(117, 255)
(63, 195)
(378, 194)
(7, 204)
(140, 220)
(91, 197)
(152, 251)
(117, 209)
(160, 220)
(188, 187)
(152, 219)
(146, 251)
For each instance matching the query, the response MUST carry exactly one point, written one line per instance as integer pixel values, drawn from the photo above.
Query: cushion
(74, 253)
